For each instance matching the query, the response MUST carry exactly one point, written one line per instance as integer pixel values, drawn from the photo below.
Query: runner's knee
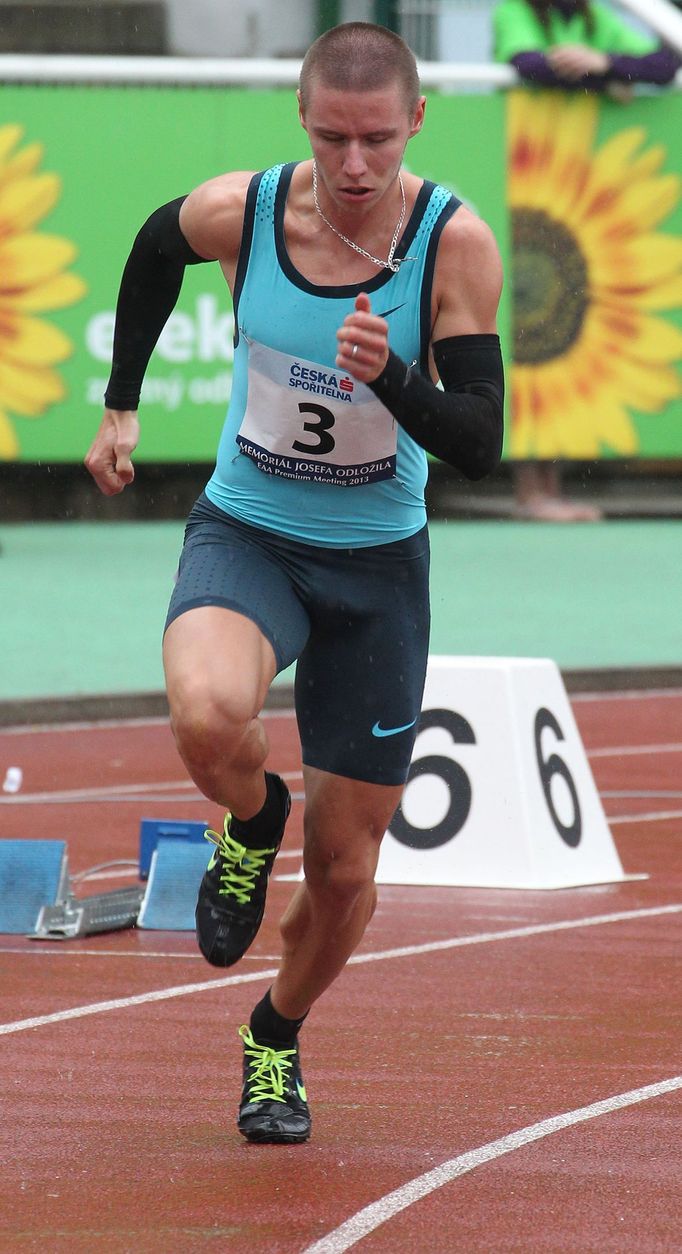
(207, 721)
(342, 869)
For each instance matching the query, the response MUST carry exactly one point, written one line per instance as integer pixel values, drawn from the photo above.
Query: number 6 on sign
(499, 793)
(551, 767)
(453, 776)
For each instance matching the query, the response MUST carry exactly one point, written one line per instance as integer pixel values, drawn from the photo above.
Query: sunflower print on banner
(591, 277)
(33, 280)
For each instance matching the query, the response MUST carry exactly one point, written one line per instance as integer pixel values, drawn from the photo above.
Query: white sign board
(500, 792)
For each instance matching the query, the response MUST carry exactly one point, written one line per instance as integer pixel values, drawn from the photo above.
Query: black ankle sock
(258, 830)
(270, 1027)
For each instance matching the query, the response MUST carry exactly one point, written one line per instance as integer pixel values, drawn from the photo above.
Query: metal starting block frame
(35, 885)
(37, 898)
(86, 916)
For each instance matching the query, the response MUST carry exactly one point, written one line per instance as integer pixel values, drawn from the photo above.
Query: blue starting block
(152, 830)
(177, 867)
(33, 874)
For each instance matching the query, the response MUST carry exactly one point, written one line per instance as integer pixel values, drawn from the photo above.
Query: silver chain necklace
(390, 263)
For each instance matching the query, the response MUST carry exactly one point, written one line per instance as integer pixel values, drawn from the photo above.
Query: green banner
(595, 324)
(92, 163)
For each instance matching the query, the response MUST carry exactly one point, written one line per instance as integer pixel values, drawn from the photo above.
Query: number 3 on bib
(272, 433)
(321, 429)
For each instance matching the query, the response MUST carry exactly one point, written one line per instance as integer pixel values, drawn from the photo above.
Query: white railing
(215, 72)
(660, 15)
(211, 71)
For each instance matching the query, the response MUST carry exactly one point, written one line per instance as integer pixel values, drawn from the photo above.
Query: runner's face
(358, 140)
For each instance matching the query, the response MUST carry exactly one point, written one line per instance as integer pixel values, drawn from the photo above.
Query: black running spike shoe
(274, 1107)
(231, 897)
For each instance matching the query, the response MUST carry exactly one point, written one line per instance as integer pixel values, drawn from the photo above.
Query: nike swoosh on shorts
(377, 730)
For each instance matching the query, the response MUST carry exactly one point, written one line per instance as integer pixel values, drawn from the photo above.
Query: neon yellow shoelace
(239, 865)
(269, 1069)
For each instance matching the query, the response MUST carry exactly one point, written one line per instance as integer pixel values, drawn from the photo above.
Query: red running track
(436, 1077)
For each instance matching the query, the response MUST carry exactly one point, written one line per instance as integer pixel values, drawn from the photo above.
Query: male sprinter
(354, 286)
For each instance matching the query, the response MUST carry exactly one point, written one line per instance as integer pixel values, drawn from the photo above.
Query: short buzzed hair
(359, 56)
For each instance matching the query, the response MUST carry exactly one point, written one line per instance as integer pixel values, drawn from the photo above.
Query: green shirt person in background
(572, 45)
(577, 43)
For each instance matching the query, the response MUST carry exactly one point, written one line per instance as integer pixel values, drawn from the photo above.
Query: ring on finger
(354, 350)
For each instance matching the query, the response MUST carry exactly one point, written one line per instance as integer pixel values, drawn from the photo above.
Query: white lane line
(140, 999)
(643, 793)
(187, 792)
(405, 951)
(377, 1213)
(655, 816)
(62, 949)
(116, 792)
(628, 694)
(113, 790)
(106, 799)
(516, 933)
(633, 751)
(109, 724)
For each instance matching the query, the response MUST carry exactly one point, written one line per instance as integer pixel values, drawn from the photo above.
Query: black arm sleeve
(150, 287)
(463, 425)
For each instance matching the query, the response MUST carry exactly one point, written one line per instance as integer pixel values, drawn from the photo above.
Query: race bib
(306, 421)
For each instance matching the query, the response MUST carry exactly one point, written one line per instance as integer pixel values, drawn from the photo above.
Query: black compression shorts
(356, 620)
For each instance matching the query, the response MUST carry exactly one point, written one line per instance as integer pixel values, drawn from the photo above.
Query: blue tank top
(305, 451)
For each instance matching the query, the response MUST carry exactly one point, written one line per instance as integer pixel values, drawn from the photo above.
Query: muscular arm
(462, 425)
(204, 226)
